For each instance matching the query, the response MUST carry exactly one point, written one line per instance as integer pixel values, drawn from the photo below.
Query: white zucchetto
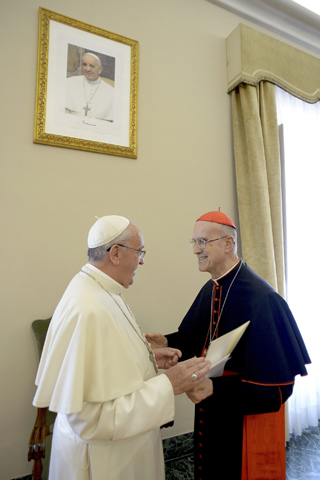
(106, 229)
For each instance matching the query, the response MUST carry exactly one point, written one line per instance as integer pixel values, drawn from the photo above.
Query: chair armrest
(37, 442)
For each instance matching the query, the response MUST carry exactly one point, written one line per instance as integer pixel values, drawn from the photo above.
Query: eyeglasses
(201, 243)
(141, 253)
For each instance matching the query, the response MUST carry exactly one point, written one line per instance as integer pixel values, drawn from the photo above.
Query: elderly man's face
(91, 68)
(211, 257)
(131, 257)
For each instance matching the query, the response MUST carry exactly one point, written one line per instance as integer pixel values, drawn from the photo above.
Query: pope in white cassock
(99, 373)
(88, 95)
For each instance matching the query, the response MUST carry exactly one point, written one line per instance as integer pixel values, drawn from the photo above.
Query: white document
(221, 348)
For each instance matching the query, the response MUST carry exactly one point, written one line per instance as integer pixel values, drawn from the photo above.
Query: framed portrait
(87, 87)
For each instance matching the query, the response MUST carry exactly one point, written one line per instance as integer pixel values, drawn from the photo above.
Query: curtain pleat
(257, 160)
(258, 176)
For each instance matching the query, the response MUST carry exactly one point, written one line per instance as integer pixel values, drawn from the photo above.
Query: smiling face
(91, 68)
(212, 258)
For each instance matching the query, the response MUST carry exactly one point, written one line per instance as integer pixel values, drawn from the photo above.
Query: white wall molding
(283, 17)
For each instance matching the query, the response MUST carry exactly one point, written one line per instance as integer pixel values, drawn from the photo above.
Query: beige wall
(50, 196)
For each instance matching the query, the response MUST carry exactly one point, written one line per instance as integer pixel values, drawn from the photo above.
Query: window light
(312, 5)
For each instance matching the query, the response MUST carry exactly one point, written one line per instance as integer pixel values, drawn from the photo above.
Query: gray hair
(230, 231)
(98, 254)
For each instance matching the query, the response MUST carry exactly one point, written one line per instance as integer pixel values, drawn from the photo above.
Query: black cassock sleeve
(180, 340)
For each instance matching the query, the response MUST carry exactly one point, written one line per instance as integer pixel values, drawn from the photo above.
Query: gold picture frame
(109, 125)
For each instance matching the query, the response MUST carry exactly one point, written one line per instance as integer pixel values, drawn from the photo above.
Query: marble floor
(302, 456)
(178, 457)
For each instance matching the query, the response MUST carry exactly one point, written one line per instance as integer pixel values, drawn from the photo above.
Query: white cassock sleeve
(128, 416)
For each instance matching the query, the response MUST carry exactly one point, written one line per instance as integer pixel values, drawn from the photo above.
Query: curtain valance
(253, 56)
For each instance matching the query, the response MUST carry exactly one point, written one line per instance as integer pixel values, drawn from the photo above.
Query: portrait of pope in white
(90, 84)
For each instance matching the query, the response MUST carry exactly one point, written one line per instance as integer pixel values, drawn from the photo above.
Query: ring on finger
(194, 377)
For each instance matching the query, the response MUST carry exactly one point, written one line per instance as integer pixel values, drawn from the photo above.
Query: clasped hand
(167, 357)
(202, 391)
(180, 375)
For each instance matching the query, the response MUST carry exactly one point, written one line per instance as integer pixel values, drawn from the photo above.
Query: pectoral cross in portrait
(86, 109)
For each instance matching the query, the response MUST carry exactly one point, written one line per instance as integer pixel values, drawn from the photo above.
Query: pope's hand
(201, 391)
(167, 357)
(181, 375)
(156, 340)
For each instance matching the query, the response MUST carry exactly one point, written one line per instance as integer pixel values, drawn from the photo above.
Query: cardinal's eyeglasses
(201, 242)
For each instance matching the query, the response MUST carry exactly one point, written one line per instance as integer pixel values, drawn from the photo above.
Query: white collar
(94, 82)
(108, 283)
(216, 280)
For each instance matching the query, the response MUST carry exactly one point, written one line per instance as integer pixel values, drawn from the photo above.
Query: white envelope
(221, 348)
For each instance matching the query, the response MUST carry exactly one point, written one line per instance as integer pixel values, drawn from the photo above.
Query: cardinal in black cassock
(239, 430)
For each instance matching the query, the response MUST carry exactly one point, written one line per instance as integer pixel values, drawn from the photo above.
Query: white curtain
(301, 131)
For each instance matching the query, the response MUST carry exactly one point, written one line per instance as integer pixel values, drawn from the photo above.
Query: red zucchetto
(217, 217)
